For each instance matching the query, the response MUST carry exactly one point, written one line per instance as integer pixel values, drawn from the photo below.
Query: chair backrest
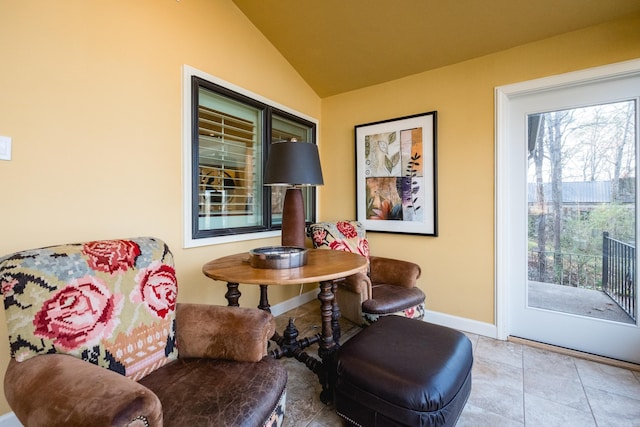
(348, 236)
(111, 303)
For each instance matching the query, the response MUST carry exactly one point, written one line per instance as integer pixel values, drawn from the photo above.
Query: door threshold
(575, 353)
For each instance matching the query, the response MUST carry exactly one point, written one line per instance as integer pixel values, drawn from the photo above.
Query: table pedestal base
(290, 346)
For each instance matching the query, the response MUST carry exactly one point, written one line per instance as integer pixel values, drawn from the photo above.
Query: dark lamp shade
(293, 164)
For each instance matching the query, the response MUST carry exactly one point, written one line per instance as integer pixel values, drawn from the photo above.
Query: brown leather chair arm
(219, 332)
(358, 283)
(62, 390)
(394, 272)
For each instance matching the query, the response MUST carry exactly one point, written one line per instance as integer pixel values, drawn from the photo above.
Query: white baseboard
(292, 303)
(461, 324)
(9, 420)
(455, 322)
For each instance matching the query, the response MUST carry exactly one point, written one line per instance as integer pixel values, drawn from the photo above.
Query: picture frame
(396, 175)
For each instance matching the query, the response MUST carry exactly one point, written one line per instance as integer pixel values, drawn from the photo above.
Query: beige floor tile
(303, 394)
(327, 417)
(473, 416)
(549, 413)
(608, 378)
(495, 376)
(613, 410)
(554, 363)
(553, 377)
(504, 352)
(497, 388)
(564, 390)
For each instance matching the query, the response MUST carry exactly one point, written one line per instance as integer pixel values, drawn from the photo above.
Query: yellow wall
(458, 266)
(90, 92)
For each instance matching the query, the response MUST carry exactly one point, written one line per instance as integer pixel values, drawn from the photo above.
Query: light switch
(5, 148)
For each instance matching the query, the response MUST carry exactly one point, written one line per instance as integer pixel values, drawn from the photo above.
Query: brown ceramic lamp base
(293, 225)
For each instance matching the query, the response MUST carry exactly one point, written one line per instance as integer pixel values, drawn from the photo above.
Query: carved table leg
(328, 345)
(290, 346)
(335, 316)
(232, 295)
(326, 297)
(264, 299)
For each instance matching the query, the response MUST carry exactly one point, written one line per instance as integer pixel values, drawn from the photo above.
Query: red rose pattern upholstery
(389, 288)
(348, 236)
(111, 303)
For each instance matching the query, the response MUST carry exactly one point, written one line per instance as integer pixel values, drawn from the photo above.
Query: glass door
(568, 203)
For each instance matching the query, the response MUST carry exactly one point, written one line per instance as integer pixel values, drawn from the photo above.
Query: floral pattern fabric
(109, 302)
(415, 312)
(348, 236)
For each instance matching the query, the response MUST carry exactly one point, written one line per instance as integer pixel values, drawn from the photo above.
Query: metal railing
(618, 273)
(612, 273)
(567, 269)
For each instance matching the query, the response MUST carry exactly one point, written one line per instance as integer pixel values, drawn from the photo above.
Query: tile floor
(512, 385)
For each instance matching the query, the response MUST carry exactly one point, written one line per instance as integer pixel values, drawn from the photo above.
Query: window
(230, 131)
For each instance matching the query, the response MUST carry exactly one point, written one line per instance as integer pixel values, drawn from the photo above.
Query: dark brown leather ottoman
(403, 372)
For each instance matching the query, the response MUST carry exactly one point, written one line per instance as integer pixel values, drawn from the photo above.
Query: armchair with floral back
(390, 287)
(97, 338)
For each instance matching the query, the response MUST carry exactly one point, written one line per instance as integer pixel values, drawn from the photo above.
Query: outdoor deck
(569, 299)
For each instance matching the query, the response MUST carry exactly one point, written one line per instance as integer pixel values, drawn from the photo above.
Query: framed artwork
(396, 175)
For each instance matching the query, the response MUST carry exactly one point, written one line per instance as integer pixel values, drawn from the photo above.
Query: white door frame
(504, 227)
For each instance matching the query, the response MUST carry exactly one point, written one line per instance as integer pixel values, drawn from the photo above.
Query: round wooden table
(321, 265)
(326, 267)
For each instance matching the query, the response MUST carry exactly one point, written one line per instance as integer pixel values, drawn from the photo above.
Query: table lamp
(293, 164)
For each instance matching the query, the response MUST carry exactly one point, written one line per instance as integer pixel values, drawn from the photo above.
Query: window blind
(227, 156)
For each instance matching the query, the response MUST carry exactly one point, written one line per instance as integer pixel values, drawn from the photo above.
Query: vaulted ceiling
(342, 45)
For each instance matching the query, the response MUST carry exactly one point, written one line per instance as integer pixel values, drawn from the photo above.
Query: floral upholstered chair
(390, 286)
(97, 338)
